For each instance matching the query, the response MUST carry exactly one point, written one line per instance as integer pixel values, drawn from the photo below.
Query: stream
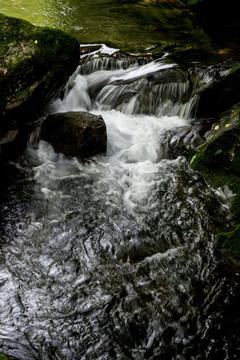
(114, 258)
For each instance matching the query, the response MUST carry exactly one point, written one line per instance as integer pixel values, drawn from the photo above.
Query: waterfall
(114, 258)
(152, 88)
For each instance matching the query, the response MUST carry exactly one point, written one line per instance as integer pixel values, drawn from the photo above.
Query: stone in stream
(79, 134)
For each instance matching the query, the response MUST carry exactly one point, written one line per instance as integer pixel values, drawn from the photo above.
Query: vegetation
(229, 244)
(35, 64)
(218, 160)
(3, 357)
(133, 26)
(27, 54)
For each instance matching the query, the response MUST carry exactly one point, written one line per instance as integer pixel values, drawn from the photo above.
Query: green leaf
(218, 152)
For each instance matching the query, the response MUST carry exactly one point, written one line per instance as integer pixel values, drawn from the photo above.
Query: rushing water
(114, 258)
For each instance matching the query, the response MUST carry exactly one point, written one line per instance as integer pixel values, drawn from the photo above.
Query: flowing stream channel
(114, 258)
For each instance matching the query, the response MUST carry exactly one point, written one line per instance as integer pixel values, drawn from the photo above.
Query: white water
(133, 149)
(109, 85)
(105, 258)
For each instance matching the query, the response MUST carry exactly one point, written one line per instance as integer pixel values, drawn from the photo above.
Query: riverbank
(35, 64)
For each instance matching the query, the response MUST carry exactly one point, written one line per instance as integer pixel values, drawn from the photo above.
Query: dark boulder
(79, 134)
(220, 96)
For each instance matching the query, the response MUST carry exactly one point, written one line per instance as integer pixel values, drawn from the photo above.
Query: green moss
(221, 238)
(32, 58)
(222, 148)
(20, 40)
(189, 153)
(3, 357)
(229, 244)
(235, 165)
(191, 2)
(235, 205)
(232, 70)
(218, 160)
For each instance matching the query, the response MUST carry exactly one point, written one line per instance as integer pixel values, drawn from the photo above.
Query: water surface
(114, 258)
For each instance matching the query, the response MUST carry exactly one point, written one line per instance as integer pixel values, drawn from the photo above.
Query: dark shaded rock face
(35, 64)
(220, 20)
(79, 134)
(221, 95)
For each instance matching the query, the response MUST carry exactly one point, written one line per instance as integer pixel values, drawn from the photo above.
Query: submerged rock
(35, 64)
(79, 134)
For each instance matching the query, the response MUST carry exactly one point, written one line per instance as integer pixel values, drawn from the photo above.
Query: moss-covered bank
(35, 63)
(4, 357)
(229, 244)
(218, 160)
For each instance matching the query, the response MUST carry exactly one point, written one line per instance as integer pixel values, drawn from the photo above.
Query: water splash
(131, 88)
(113, 258)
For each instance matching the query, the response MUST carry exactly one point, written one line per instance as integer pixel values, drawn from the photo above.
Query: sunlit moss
(27, 54)
(133, 26)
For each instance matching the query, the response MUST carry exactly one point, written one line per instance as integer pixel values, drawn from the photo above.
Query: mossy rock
(222, 150)
(220, 95)
(35, 64)
(5, 357)
(229, 244)
(218, 160)
(191, 3)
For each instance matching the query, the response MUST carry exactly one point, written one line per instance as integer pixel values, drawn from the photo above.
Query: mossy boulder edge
(35, 64)
(218, 160)
(229, 244)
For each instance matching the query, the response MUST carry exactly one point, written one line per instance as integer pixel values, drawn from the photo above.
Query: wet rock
(5, 357)
(220, 95)
(218, 160)
(79, 134)
(229, 244)
(172, 75)
(185, 140)
(35, 64)
(222, 150)
(13, 143)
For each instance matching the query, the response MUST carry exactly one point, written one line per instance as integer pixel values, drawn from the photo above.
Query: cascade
(134, 86)
(114, 258)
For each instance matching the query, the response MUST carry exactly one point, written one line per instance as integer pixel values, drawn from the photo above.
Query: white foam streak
(77, 99)
(144, 70)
